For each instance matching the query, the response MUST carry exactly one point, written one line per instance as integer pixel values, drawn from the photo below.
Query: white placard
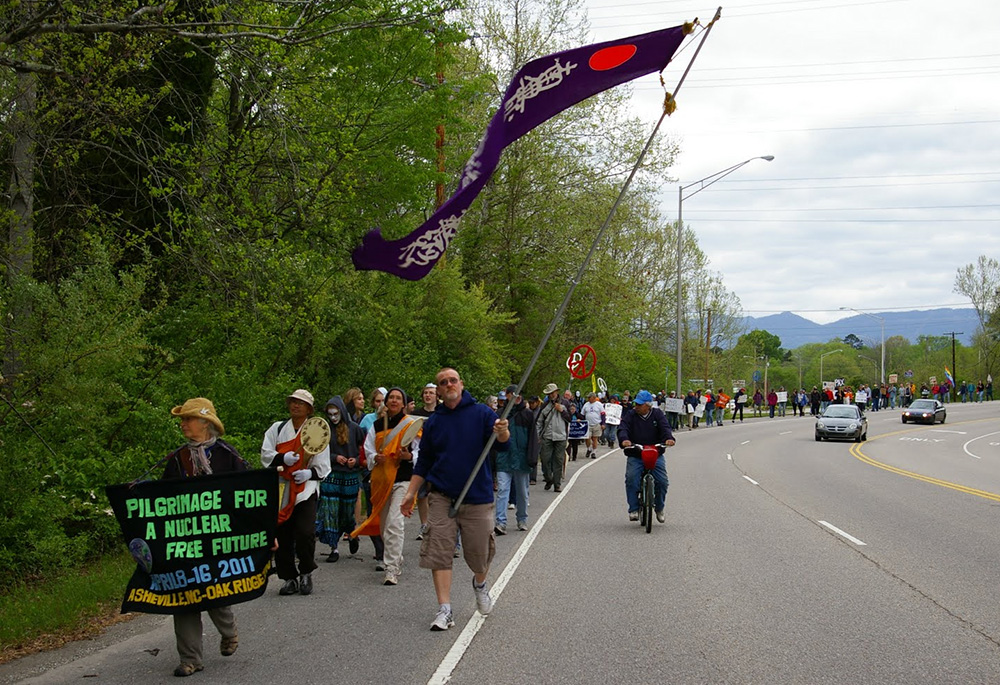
(782, 397)
(674, 405)
(613, 414)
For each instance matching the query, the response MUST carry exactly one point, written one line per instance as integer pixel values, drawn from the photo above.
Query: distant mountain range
(794, 330)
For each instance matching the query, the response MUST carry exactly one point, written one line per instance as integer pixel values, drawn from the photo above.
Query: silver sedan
(842, 421)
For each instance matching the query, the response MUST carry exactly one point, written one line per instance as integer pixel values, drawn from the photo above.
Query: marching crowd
(392, 455)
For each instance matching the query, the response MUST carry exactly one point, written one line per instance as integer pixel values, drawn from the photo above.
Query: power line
(847, 209)
(849, 221)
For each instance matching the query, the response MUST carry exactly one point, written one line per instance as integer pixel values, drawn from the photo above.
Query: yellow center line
(858, 454)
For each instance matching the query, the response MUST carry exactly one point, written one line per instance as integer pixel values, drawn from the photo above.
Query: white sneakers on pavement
(443, 620)
(483, 600)
(660, 517)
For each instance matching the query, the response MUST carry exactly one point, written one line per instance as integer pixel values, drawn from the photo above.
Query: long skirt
(337, 494)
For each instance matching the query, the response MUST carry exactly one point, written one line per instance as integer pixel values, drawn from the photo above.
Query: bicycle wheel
(647, 501)
(642, 505)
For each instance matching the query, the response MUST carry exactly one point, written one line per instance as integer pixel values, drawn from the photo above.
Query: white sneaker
(660, 517)
(443, 620)
(390, 578)
(510, 507)
(483, 600)
(633, 516)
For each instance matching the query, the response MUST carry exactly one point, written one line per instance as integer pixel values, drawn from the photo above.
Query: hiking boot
(291, 587)
(187, 669)
(483, 600)
(228, 645)
(443, 620)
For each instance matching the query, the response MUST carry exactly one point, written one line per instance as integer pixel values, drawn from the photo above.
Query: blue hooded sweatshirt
(451, 443)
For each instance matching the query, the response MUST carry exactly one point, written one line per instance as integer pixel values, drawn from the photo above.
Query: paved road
(782, 560)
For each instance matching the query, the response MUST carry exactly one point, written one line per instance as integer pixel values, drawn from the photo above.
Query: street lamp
(702, 184)
(825, 354)
(881, 322)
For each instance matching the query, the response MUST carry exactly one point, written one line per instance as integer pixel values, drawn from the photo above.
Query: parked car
(842, 421)
(925, 411)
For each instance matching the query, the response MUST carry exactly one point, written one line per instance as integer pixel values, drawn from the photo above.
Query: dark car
(925, 411)
(842, 421)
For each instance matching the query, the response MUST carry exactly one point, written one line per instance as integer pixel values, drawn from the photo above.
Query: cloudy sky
(884, 121)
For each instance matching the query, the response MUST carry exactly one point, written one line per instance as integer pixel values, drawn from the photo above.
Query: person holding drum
(204, 453)
(286, 448)
(387, 450)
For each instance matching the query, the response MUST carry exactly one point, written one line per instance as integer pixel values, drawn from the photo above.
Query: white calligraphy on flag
(430, 246)
(530, 86)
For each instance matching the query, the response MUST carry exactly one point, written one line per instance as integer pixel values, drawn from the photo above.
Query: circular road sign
(588, 361)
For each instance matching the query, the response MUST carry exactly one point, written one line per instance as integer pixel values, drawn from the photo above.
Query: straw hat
(302, 396)
(199, 408)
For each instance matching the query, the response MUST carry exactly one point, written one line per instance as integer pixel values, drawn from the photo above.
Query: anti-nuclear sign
(199, 543)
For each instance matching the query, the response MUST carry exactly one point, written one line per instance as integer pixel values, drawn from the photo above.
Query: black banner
(199, 543)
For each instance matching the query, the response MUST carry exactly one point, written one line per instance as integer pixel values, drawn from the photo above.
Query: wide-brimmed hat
(550, 388)
(199, 408)
(302, 396)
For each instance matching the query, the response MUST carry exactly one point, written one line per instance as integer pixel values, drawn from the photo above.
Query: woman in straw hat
(204, 453)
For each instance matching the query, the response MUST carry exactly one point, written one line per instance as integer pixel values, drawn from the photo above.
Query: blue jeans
(506, 480)
(633, 477)
(611, 433)
(709, 413)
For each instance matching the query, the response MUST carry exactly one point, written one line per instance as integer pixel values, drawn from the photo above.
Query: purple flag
(540, 90)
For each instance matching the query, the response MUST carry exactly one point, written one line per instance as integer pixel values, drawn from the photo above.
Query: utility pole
(708, 344)
(954, 370)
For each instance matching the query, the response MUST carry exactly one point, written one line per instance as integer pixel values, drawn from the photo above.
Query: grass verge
(71, 606)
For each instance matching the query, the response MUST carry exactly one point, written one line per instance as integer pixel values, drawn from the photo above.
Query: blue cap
(644, 397)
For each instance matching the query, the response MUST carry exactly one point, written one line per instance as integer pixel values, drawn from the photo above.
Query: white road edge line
(965, 447)
(838, 531)
(729, 457)
(454, 656)
(785, 433)
(751, 480)
(745, 442)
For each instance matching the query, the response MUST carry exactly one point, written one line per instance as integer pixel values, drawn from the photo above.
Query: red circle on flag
(609, 58)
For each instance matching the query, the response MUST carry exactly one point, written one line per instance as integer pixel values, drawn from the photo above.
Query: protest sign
(578, 430)
(674, 405)
(612, 414)
(199, 543)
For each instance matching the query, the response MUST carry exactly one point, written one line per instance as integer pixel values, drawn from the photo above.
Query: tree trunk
(21, 235)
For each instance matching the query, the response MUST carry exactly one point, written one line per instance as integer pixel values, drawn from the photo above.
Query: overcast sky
(884, 121)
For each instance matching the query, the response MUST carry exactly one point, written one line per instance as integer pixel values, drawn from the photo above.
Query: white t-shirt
(592, 412)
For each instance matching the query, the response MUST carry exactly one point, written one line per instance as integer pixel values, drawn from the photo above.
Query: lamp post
(881, 322)
(825, 354)
(702, 184)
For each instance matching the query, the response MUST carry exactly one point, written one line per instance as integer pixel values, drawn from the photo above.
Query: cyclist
(645, 425)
